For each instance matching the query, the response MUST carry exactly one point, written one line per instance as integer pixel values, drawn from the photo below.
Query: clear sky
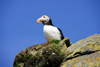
(77, 19)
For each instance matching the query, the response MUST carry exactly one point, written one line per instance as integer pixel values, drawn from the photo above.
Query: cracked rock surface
(84, 53)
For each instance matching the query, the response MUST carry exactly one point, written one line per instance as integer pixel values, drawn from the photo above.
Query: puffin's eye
(43, 16)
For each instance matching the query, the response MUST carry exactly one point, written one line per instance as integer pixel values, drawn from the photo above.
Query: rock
(84, 53)
(41, 55)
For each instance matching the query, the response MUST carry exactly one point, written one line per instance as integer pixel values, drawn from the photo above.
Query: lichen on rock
(84, 53)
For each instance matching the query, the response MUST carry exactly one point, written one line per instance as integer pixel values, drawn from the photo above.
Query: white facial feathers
(45, 18)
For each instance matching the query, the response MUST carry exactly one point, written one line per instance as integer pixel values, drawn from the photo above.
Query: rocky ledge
(84, 53)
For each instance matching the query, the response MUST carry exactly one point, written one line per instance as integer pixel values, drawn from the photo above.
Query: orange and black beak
(39, 20)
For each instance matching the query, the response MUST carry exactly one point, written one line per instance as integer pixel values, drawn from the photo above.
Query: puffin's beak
(38, 21)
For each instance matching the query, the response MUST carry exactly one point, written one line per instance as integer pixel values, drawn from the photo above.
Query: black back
(62, 37)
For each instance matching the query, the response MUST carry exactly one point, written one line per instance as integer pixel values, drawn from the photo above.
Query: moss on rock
(84, 53)
(45, 56)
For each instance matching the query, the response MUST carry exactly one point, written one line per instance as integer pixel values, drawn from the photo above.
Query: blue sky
(77, 19)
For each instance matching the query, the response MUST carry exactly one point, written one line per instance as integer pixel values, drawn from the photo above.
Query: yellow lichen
(67, 38)
(90, 45)
(85, 59)
(98, 51)
(77, 54)
(74, 66)
(65, 45)
(96, 45)
(91, 64)
(90, 59)
(68, 60)
(98, 59)
(82, 49)
(68, 52)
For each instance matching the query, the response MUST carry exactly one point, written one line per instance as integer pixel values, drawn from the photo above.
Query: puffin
(49, 30)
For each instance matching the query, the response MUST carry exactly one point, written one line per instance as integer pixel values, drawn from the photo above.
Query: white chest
(51, 32)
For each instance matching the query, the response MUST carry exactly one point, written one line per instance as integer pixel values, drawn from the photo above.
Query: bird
(49, 30)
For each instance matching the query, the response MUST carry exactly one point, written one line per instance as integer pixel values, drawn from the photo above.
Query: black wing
(62, 37)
